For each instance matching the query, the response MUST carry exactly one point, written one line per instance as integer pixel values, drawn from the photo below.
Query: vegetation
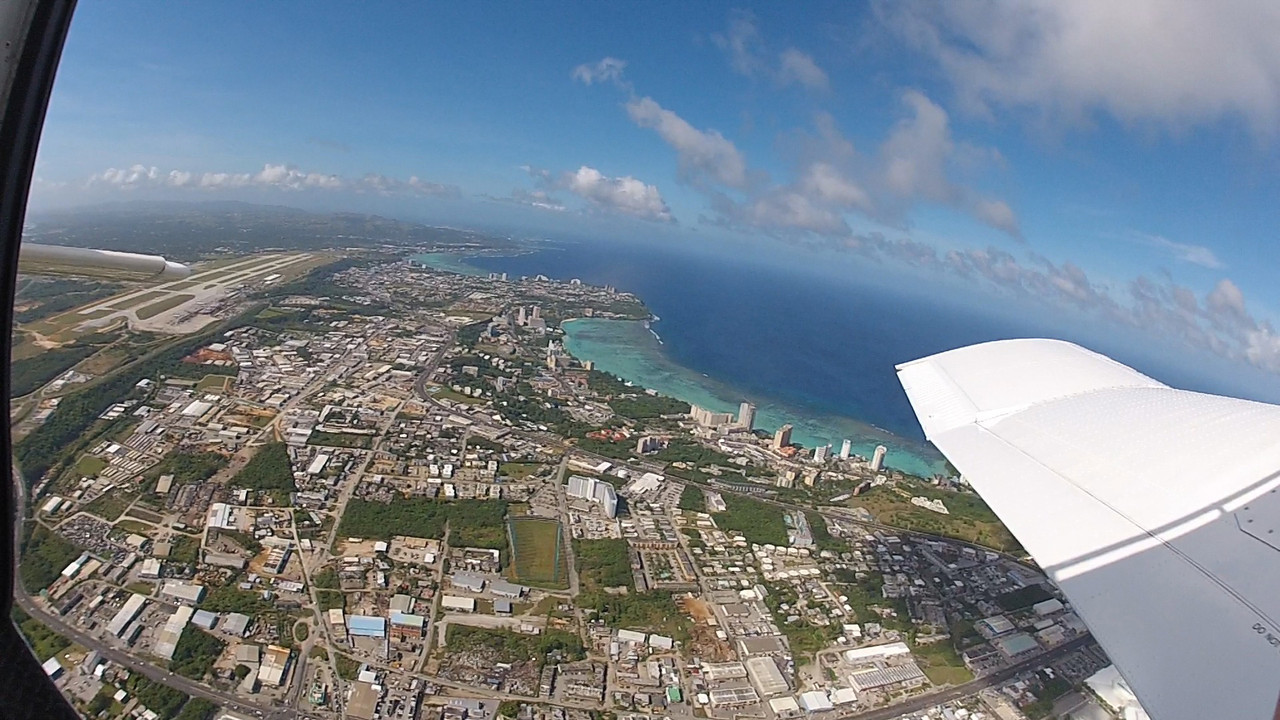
(692, 453)
(758, 521)
(229, 598)
(620, 450)
(327, 578)
(603, 563)
(343, 440)
(537, 555)
(652, 611)
(970, 519)
(160, 699)
(329, 599)
(44, 642)
(349, 669)
(195, 653)
(186, 467)
(941, 663)
(197, 709)
(44, 555)
(30, 374)
(641, 407)
(269, 469)
(822, 537)
(67, 430)
(472, 523)
(50, 296)
(606, 383)
(508, 708)
(692, 498)
(516, 647)
(1050, 691)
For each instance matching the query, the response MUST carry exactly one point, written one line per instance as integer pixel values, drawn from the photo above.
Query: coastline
(634, 351)
(629, 350)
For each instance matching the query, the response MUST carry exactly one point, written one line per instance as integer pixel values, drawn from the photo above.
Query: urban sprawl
(360, 487)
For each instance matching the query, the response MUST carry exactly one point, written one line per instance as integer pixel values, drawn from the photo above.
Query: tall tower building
(747, 416)
(536, 312)
(846, 449)
(782, 438)
(521, 318)
(821, 453)
(877, 460)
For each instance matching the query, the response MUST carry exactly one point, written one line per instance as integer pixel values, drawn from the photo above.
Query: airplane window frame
(32, 34)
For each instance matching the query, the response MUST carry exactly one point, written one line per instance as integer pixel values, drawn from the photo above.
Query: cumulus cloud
(1172, 63)
(701, 152)
(623, 194)
(608, 69)
(280, 177)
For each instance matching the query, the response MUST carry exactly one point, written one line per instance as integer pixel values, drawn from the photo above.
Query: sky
(1118, 160)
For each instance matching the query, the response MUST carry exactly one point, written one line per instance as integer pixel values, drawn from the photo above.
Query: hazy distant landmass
(187, 231)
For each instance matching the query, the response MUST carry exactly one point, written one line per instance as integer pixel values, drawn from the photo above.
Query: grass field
(168, 303)
(216, 383)
(137, 300)
(520, 470)
(90, 465)
(537, 552)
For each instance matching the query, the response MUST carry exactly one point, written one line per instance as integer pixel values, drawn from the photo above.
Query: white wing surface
(39, 259)
(1154, 509)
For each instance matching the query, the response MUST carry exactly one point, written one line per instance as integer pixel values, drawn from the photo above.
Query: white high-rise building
(588, 488)
(821, 453)
(521, 318)
(782, 438)
(877, 460)
(747, 416)
(536, 312)
(846, 449)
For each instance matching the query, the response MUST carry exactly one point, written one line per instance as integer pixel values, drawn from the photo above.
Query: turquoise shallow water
(629, 350)
(449, 262)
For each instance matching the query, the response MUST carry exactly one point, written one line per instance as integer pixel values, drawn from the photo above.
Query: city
(356, 486)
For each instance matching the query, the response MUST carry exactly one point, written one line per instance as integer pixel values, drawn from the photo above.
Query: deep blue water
(825, 344)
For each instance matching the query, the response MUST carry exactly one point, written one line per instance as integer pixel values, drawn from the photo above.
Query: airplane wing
(1155, 510)
(38, 259)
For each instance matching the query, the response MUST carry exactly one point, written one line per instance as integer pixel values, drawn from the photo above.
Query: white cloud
(280, 177)
(1184, 252)
(622, 194)
(1173, 63)
(998, 215)
(915, 163)
(739, 43)
(701, 152)
(823, 181)
(799, 68)
(608, 69)
(743, 44)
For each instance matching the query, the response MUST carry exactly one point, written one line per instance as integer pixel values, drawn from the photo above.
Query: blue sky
(1119, 159)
